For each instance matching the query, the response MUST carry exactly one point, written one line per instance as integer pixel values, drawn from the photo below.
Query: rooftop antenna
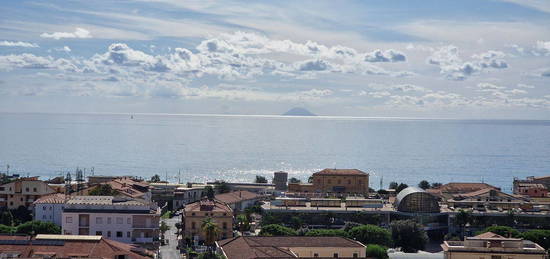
(381, 181)
(92, 170)
(7, 169)
(179, 176)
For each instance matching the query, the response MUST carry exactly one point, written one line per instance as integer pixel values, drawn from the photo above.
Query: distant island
(297, 111)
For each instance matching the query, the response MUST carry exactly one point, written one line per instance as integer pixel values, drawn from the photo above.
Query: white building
(49, 208)
(118, 218)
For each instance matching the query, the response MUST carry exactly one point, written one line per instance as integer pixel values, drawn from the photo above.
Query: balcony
(144, 226)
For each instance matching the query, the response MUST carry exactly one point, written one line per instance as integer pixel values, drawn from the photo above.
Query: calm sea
(236, 148)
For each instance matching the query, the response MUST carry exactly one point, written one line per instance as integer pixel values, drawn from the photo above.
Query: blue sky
(437, 59)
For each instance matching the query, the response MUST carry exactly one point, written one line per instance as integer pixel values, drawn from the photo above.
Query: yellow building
(492, 246)
(195, 213)
(23, 192)
(339, 181)
(252, 247)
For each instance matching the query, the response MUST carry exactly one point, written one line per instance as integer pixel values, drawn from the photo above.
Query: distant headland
(298, 111)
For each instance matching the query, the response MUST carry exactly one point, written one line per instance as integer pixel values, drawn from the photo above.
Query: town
(335, 214)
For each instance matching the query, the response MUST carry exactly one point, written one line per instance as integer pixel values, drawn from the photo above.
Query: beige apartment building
(492, 246)
(23, 192)
(195, 213)
(341, 181)
(250, 247)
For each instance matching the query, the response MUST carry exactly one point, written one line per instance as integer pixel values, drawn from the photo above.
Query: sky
(430, 59)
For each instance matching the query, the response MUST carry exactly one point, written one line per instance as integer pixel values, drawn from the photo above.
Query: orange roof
(237, 196)
(56, 198)
(488, 235)
(209, 205)
(348, 172)
(461, 188)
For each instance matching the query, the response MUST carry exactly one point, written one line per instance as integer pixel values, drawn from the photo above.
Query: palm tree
(242, 222)
(463, 218)
(211, 231)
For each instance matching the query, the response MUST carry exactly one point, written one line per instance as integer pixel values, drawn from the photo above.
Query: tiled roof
(215, 205)
(103, 200)
(65, 248)
(237, 196)
(56, 198)
(461, 188)
(330, 171)
(488, 235)
(250, 247)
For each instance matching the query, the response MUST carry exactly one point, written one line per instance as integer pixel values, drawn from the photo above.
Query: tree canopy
(376, 251)
(155, 178)
(371, 234)
(38, 227)
(260, 179)
(504, 231)
(103, 190)
(424, 184)
(209, 191)
(408, 235)
(277, 230)
(393, 185)
(294, 180)
(221, 187)
(539, 236)
(327, 233)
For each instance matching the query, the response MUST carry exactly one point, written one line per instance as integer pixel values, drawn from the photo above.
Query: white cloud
(526, 86)
(543, 48)
(385, 56)
(23, 44)
(452, 66)
(79, 33)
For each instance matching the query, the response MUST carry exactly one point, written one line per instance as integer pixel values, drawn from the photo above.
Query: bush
(167, 215)
(277, 230)
(504, 231)
(376, 251)
(541, 237)
(371, 234)
(326, 233)
(408, 235)
(38, 227)
(6, 229)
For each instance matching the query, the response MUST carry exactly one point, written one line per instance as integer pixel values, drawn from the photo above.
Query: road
(170, 251)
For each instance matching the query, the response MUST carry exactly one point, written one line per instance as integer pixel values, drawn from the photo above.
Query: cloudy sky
(437, 59)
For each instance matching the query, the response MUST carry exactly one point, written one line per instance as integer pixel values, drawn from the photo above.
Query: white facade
(49, 212)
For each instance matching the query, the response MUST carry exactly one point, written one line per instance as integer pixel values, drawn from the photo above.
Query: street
(170, 251)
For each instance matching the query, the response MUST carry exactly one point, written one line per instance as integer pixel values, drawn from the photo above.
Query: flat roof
(68, 237)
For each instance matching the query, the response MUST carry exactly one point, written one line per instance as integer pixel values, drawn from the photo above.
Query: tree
(326, 233)
(209, 192)
(221, 187)
(38, 227)
(277, 230)
(424, 185)
(310, 179)
(6, 229)
(211, 255)
(408, 235)
(155, 178)
(541, 237)
(371, 234)
(436, 185)
(242, 222)
(103, 190)
(211, 231)
(163, 228)
(394, 185)
(401, 187)
(462, 219)
(296, 222)
(260, 179)
(294, 180)
(377, 251)
(504, 231)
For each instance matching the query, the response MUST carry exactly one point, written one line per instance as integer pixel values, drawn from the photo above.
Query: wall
(328, 252)
(49, 212)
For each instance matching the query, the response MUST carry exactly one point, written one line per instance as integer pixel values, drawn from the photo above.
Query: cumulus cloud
(545, 72)
(385, 56)
(79, 33)
(313, 65)
(452, 66)
(23, 44)
(543, 48)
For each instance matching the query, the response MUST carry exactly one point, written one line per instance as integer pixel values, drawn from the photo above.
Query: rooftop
(461, 188)
(104, 200)
(349, 172)
(237, 196)
(56, 198)
(208, 205)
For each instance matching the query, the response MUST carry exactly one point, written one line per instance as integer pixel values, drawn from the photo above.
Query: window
(119, 220)
(98, 233)
(355, 255)
(128, 234)
(44, 217)
(335, 255)
(224, 225)
(193, 214)
(44, 208)
(192, 225)
(108, 233)
(128, 221)
(329, 181)
(34, 189)
(99, 220)
(339, 181)
(50, 207)
(2, 188)
(349, 181)
(27, 189)
(109, 220)
(69, 219)
(315, 255)
(496, 257)
(119, 234)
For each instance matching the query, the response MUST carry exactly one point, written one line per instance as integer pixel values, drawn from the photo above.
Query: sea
(199, 148)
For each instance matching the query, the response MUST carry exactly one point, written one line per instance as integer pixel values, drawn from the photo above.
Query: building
(492, 246)
(239, 200)
(340, 181)
(255, 247)
(544, 180)
(49, 208)
(416, 200)
(447, 191)
(535, 187)
(185, 195)
(23, 192)
(280, 180)
(126, 186)
(261, 188)
(487, 199)
(118, 218)
(63, 246)
(196, 212)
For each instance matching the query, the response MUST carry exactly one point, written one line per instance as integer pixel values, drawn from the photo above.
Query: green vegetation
(376, 251)
(211, 255)
(436, 185)
(15, 217)
(163, 228)
(260, 179)
(541, 237)
(277, 230)
(327, 233)
(221, 187)
(211, 231)
(166, 215)
(371, 234)
(242, 222)
(294, 180)
(209, 192)
(103, 190)
(424, 184)
(462, 219)
(401, 187)
(32, 228)
(504, 231)
(393, 185)
(408, 235)
(155, 178)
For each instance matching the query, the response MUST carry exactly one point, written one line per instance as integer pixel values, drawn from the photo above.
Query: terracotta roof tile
(237, 196)
(56, 198)
(330, 171)
(461, 188)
